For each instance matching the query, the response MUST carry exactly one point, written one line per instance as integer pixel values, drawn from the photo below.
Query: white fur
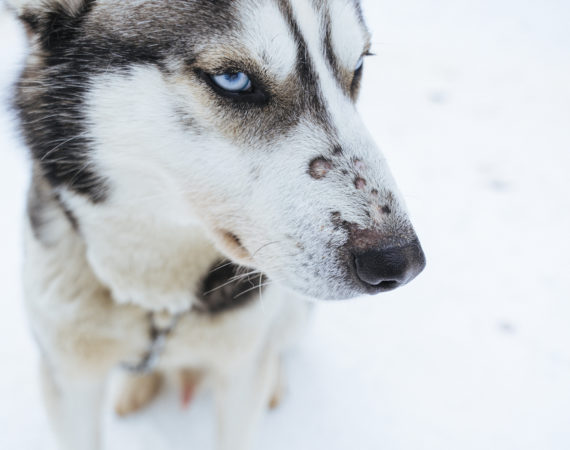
(268, 38)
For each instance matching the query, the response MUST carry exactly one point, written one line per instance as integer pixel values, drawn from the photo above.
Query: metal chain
(151, 357)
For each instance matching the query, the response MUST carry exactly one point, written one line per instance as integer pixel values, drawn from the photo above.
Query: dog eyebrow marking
(337, 52)
(329, 53)
(320, 167)
(312, 99)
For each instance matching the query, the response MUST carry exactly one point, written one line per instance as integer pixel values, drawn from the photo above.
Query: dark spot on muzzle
(360, 183)
(337, 150)
(319, 168)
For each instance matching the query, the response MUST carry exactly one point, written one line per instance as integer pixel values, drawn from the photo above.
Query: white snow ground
(470, 102)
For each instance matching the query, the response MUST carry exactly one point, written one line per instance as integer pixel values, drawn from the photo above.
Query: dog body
(84, 333)
(151, 168)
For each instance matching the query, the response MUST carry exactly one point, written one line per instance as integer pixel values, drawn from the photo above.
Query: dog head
(239, 115)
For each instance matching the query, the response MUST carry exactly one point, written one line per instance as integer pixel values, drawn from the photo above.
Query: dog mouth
(359, 266)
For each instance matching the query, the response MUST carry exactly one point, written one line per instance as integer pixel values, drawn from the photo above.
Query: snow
(470, 102)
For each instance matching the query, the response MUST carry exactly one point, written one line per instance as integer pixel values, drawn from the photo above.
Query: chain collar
(158, 338)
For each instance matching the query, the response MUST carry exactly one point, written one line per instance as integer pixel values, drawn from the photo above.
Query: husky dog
(175, 143)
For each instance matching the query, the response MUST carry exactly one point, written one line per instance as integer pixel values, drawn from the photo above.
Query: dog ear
(52, 21)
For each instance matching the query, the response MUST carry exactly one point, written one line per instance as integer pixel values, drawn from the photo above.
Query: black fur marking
(337, 150)
(31, 21)
(329, 53)
(224, 289)
(348, 81)
(70, 217)
(311, 96)
(58, 27)
(51, 116)
(50, 98)
(52, 123)
(359, 13)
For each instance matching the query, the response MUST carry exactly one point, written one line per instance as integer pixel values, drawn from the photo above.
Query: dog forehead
(263, 27)
(272, 30)
(264, 31)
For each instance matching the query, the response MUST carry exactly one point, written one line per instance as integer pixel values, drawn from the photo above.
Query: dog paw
(155, 300)
(136, 392)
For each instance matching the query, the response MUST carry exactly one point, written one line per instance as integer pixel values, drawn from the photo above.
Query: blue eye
(233, 82)
(359, 64)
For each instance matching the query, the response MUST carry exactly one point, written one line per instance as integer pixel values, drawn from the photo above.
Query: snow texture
(470, 102)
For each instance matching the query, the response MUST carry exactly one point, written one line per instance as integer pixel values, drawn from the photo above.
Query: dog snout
(386, 267)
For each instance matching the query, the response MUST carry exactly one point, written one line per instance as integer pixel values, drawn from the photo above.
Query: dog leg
(189, 381)
(241, 400)
(137, 391)
(74, 409)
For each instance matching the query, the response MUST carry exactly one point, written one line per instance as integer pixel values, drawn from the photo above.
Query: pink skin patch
(379, 212)
(360, 183)
(187, 396)
(319, 168)
(189, 381)
(359, 165)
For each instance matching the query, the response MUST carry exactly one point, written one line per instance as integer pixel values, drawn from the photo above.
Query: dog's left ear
(51, 21)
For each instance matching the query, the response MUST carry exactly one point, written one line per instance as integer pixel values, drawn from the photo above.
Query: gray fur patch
(45, 210)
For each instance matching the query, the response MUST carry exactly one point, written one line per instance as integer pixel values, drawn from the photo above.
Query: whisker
(251, 289)
(261, 293)
(229, 263)
(264, 246)
(80, 135)
(230, 281)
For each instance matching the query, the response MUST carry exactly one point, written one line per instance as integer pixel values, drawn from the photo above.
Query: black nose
(384, 269)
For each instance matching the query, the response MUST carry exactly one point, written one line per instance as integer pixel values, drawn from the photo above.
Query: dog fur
(150, 187)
